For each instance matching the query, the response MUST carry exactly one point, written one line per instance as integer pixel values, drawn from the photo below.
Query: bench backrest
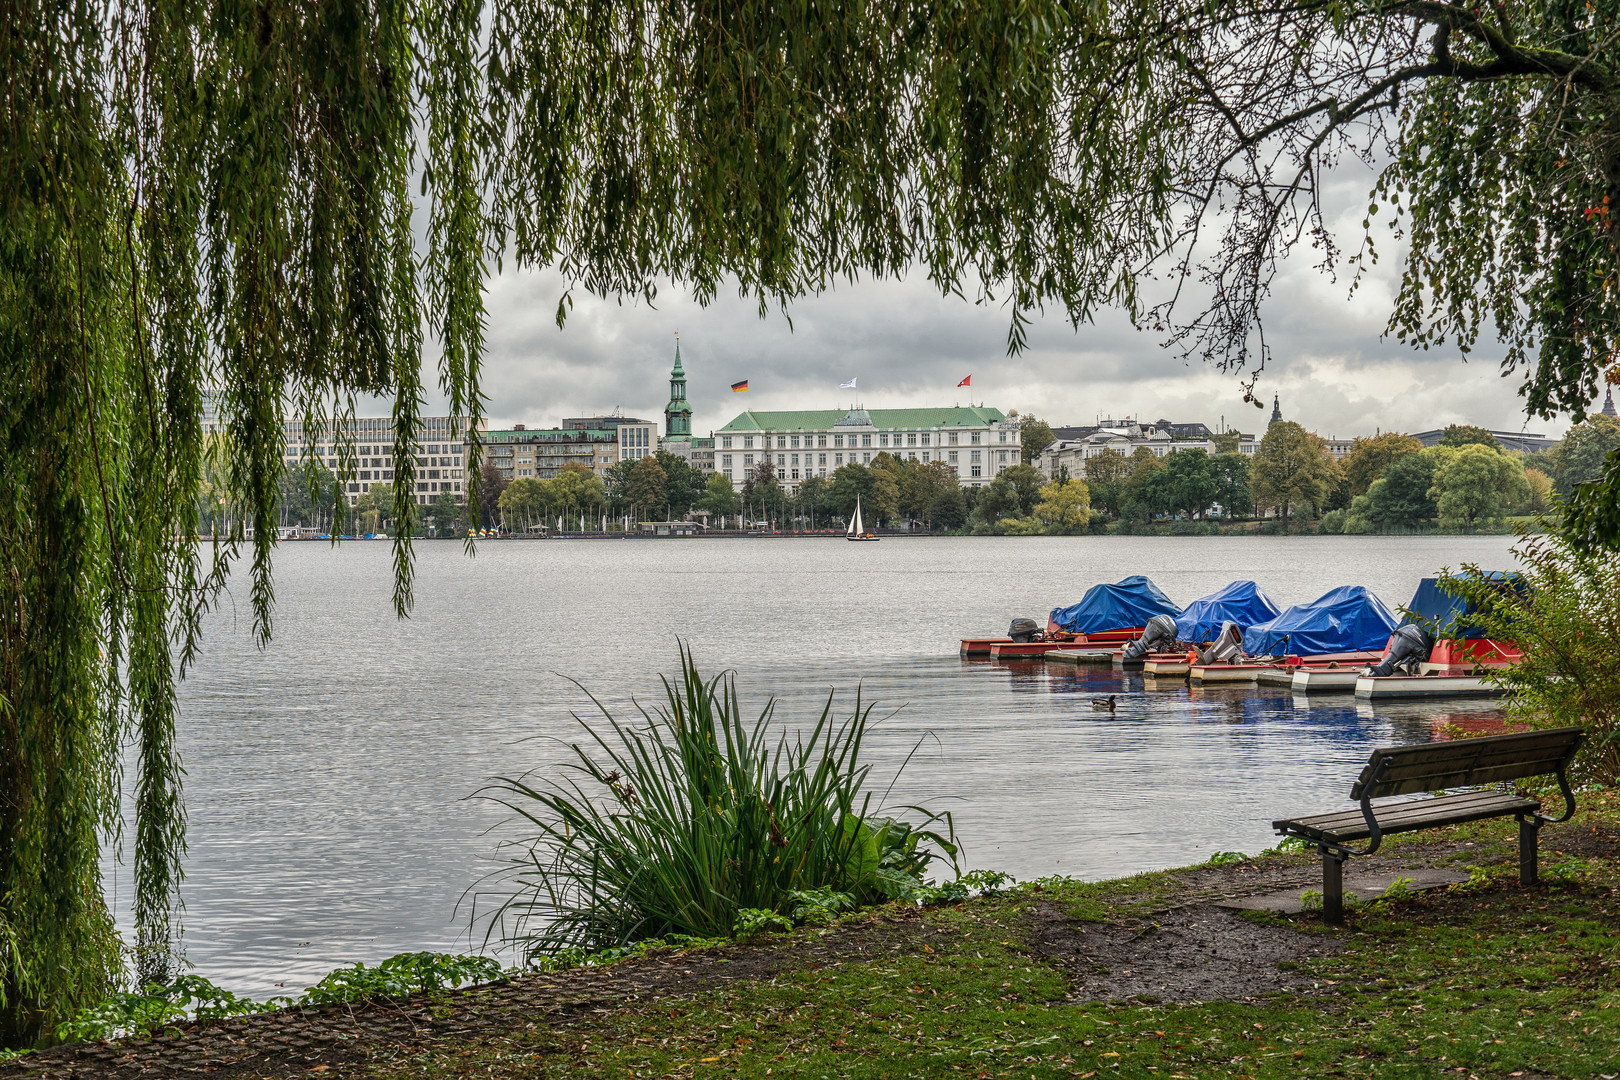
(1401, 770)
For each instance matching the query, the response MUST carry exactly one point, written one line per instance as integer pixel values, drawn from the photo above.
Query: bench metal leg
(1529, 830)
(1332, 887)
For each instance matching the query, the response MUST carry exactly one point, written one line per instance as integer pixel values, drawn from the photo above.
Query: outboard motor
(1159, 635)
(1408, 647)
(1024, 631)
(1227, 646)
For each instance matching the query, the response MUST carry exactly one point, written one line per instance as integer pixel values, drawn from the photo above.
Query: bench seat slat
(1349, 825)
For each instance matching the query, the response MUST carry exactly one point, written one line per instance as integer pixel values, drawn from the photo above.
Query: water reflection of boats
(1481, 717)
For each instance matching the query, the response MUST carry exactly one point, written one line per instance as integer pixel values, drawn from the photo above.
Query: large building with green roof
(975, 442)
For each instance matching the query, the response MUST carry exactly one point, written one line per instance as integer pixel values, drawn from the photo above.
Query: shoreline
(1146, 976)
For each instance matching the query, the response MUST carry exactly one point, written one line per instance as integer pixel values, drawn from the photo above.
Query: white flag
(847, 385)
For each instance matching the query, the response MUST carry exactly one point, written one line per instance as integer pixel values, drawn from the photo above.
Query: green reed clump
(677, 822)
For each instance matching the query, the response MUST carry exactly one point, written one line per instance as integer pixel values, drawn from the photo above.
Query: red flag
(966, 382)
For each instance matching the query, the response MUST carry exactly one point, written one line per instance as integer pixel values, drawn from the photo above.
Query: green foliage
(719, 497)
(1461, 435)
(218, 199)
(308, 494)
(1292, 468)
(1565, 618)
(647, 490)
(1064, 509)
(1402, 496)
(1233, 477)
(1226, 858)
(752, 921)
(1579, 458)
(1106, 475)
(1034, 435)
(155, 1007)
(1371, 457)
(675, 823)
(398, 976)
(949, 510)
(762, 494)
(1475, 484)
(684, 485)
(188, 998)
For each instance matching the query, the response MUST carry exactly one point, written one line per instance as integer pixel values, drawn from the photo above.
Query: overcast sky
(908, 346)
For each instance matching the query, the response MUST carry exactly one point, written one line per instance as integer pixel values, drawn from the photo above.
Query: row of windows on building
(427, 487)
(912, 438)
(788, 466)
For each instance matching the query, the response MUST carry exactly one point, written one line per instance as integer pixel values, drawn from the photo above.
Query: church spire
(1608, 403)
(677, 414)
(1276, 409)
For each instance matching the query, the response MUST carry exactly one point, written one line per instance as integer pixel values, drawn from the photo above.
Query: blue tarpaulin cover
(1445, 616)
(1127, 603)
(1243, 602)
(1346, 619)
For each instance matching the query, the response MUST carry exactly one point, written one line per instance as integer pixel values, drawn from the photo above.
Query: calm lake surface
(329, 776)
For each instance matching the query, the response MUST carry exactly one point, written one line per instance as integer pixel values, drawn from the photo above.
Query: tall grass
(677, 821)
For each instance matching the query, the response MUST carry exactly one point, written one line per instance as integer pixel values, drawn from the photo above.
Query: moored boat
(1242, 602)
(1111, 614)
(1454, 682)
(1346, 620)
(1227, 673)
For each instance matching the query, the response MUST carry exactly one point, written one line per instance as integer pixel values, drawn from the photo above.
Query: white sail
(855, 526)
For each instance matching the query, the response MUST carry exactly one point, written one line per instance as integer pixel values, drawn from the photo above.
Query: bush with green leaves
(1563, 612)
(188, 998)
(678, 821)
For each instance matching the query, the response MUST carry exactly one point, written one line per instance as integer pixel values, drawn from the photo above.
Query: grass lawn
(1482, 979)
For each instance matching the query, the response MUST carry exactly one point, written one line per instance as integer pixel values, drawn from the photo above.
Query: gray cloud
(1335, 371)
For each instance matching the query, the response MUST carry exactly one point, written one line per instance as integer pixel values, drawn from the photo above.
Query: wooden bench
(1405, 770)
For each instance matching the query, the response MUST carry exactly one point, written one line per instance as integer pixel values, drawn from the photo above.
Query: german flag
(739, 387)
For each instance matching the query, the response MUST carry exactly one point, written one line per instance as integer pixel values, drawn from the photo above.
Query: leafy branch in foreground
(692, 823)
(1563, 612)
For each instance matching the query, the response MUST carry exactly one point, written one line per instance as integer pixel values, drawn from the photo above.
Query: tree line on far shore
(1388, 483)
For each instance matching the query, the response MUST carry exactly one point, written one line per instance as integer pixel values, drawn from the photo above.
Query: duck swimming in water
(1103, 704)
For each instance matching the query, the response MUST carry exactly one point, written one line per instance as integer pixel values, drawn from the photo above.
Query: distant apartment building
(975, 442)
(540, 453)
(440, 450)
(1077, 446)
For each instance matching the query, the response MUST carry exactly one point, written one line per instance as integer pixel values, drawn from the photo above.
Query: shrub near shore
(693, 822)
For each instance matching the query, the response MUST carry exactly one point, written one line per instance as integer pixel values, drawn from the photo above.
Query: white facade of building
(977, 443)
(440, 451)
(1124, 439)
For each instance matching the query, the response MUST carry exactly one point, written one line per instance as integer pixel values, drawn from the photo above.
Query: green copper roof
(821, 419)
(535, 435)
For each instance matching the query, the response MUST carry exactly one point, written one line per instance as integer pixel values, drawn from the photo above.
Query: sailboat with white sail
(857, 528)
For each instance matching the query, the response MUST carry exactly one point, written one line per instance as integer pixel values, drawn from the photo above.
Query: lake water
(329, 776)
